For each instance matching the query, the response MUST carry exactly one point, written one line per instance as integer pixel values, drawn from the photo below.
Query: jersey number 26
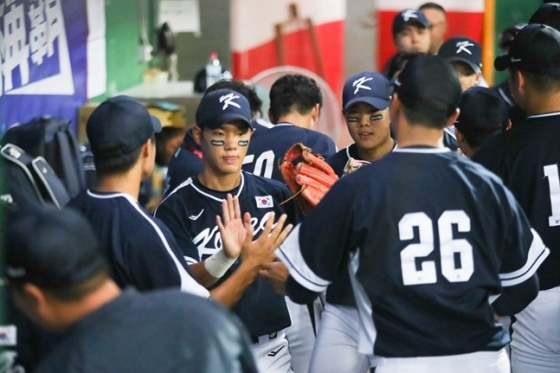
(450, 249)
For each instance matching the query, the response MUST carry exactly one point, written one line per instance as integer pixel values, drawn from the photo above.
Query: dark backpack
(54, 140)
(30, 181)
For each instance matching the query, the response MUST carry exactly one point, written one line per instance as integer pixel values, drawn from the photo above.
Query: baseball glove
(307, 175)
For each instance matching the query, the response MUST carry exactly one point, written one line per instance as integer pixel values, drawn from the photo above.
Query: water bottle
(213, 69)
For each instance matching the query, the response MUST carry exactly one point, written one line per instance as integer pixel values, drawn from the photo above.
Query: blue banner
(43, 59)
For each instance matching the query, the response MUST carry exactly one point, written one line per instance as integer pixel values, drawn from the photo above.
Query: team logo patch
(8, 335)
(264, 202)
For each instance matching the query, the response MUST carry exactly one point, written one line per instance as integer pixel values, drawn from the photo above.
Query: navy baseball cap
(535, 49)
(547, 14)
(482, 111)
(369, 87)
(223, 106)
(51, 248)
(409, 16)
(462, 49)
(119, 126)
(428, 84)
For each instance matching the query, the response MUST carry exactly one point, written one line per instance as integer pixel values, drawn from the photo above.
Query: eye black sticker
(352, 119)
(376, 117)
(243, 142)
(217, 142)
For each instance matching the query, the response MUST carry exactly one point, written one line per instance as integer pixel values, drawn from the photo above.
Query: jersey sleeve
(156, 263)
(174, 216)
(522, 254)
(315, 250)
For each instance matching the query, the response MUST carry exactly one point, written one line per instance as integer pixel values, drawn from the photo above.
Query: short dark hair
(166, 134)
(237, 85)
(434, 6)
(541, 83)
(398, 61)
(424, 119)
(108, 166)
(293, 92)
(476, 139)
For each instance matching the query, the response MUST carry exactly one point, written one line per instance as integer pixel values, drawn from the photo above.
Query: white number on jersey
(448, 248)
(551, 172)
(263, 165)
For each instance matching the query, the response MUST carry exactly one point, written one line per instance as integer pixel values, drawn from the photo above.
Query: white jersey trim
(289, 252)
(188, 284)
(505, 97)
(422, 150)
(543, 115)
(183, 184)
(537, 254)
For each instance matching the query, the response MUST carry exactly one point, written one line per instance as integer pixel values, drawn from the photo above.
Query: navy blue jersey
(183, 165)
(163, 331)
(190, 213)
(527, 158)
(340, 290)
(260, 127)
(450, 139)
(431, 239)
(266, 152)
(140, 249)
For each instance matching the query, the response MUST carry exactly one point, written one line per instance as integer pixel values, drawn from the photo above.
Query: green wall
(509, 13)
(123, 38)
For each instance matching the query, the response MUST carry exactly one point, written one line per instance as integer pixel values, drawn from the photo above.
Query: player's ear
(197, 134)
(453, 118)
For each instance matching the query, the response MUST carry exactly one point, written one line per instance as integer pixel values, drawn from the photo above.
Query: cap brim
(156, 124)
(226, 118)
(501, 62)
(377, 103)
(471, 64)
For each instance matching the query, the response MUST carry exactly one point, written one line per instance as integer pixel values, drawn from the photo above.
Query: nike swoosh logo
(195, 217)
(274, 353)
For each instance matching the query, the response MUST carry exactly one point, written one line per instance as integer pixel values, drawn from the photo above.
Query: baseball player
(428, 274)
(59, 278)
(482, 114)
(141, 250)
(186, 161)
(437, 17)
(365, 104)
(295, 102)
(527, 158)
(223, 131)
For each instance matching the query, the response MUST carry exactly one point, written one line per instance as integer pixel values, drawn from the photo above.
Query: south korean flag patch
(264, 202)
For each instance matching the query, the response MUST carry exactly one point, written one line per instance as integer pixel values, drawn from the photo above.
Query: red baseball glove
(307, 175)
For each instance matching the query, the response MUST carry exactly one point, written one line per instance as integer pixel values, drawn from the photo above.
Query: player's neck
(128, 183)
(374, 154)
(296, 119)
(418, 135)
(542, 104)
(219, 183)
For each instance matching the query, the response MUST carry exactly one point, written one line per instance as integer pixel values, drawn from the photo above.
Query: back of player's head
(463, 50)
(117, 129)
(369, 87)
(398, 61)
(508, 34)
(409, 17)
(431, 5)
(429, 90)
(483, 114)
(55, 250)
(237, 85)
(547, 14)
(535, 49)
(222, 106)
(294, 93)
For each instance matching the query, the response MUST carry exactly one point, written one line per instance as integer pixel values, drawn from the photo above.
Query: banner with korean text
(43, 59)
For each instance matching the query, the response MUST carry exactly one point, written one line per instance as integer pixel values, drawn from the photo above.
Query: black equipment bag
(54, 140)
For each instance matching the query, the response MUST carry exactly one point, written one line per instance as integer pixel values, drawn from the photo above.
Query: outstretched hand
(233, 229)
(261, 251)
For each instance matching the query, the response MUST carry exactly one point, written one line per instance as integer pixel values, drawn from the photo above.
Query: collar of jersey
(421, 149)
(197, 185)
(352, 150)
(284, 124)
(107, 195)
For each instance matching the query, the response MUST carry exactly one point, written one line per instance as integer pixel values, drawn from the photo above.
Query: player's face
(368, 127)
(438, 29)
(467, 77)
(223, 149)
(413, 39)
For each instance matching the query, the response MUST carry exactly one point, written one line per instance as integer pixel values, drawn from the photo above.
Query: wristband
(218, 264)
